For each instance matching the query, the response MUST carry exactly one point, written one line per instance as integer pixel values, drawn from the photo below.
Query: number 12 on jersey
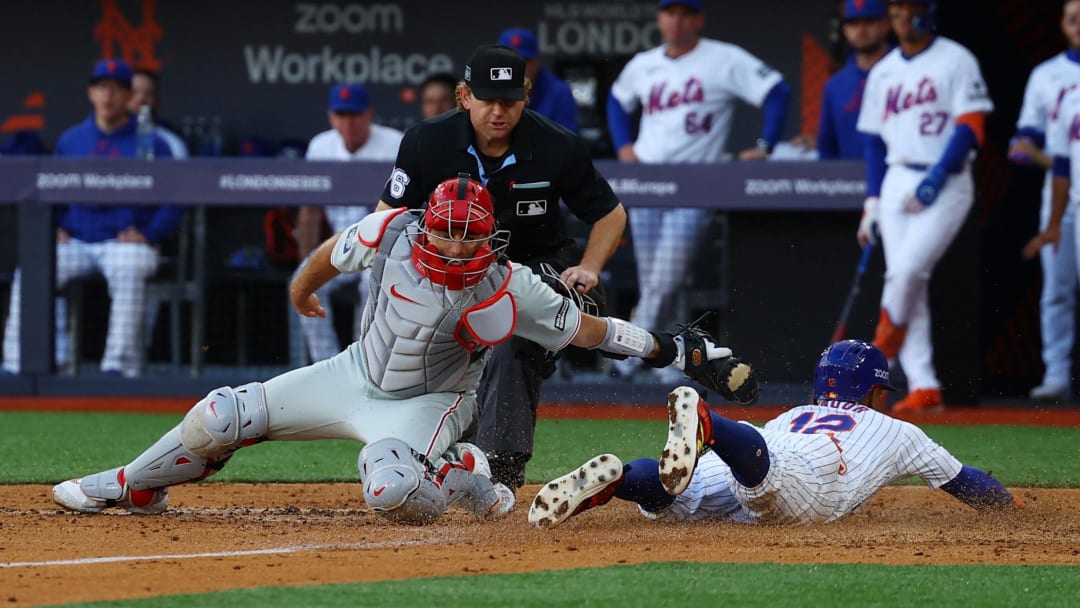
(810, 423)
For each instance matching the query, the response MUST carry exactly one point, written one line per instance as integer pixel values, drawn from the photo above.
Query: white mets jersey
(824, 461)
(1046, 89)
(382, 144)
(413, 342)
(1063, 139)
(687, 102)
(913, 102)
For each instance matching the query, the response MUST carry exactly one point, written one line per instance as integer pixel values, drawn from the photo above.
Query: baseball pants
(1057, 303)
(333, 399)
(665, 243)
(803, 485)
(913, 244)
(126, 267)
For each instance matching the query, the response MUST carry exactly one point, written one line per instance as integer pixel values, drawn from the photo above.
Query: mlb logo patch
(502, 73)
(526, 208)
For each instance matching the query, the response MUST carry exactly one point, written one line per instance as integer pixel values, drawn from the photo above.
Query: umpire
(527, 163)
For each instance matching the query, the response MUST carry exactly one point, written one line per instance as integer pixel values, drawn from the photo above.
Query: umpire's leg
(508, 395)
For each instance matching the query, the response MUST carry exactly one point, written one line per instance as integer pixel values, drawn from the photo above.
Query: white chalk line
(179, 556)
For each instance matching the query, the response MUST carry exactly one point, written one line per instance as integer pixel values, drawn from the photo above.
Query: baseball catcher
(443, 295)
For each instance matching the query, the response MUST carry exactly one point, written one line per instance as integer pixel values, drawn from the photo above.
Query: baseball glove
(712, 366)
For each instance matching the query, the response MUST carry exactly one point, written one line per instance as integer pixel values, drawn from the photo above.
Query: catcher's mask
(459, 212)
(585, 302)
(849, 370)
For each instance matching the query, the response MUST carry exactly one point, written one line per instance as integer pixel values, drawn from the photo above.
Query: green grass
(682, 585)
(50, 447)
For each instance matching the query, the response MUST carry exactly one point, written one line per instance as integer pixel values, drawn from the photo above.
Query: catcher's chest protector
(413, 344)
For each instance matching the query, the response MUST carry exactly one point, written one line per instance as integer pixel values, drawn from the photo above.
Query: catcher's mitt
(712, 366)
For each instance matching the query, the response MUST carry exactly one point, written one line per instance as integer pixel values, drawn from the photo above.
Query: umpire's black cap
(496, 71)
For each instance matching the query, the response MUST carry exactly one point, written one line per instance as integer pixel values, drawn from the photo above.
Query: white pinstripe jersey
(825, 461)
(1046, 88)
(1063, 139)
(687, 102)
(913, 102)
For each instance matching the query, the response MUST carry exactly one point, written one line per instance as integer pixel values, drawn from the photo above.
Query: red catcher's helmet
(463, 208)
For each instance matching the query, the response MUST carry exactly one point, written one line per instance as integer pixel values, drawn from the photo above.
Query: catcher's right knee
(225, 420)
(396, 484)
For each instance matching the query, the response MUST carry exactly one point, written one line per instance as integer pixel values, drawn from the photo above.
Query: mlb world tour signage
(825, 186)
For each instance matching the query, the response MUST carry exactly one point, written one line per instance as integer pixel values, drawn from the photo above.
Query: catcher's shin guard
(396, 483)
(465, 478)
(168, 463)
(100, 491)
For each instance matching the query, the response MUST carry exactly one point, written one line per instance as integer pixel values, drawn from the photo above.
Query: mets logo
(136, 44)
(661, 98)
(696, 358)
(897, 99)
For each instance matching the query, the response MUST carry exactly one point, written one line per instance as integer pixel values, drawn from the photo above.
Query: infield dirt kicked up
(225, 536)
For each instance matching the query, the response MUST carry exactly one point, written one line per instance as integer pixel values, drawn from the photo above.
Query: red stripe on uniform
(442, 422)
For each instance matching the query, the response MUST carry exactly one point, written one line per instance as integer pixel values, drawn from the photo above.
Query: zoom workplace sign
(739, 186)
(733, 186)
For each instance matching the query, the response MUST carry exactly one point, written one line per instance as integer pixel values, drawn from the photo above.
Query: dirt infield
(225, 536)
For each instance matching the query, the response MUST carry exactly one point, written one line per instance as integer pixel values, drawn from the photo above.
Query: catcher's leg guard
(465, 478)
(97, 492)
(225, 420)
(397, 485)
(168, 463)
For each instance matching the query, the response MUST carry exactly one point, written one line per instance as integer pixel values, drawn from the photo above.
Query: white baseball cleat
(95, 493)
(1051, 392)
(590, 485)
(689, 428)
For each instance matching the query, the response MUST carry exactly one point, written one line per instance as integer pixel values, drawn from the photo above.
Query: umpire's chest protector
(413, 343)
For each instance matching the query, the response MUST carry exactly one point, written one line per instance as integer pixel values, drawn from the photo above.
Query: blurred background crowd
(342, 81)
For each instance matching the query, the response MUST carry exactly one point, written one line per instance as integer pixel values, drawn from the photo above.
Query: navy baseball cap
(112, 69)
(864, 9)
(496, 71)
(694, 5)
(349, 97)
(521, 40)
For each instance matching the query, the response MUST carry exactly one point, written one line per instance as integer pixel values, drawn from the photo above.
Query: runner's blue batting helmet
(848, 370)
(925, 22)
